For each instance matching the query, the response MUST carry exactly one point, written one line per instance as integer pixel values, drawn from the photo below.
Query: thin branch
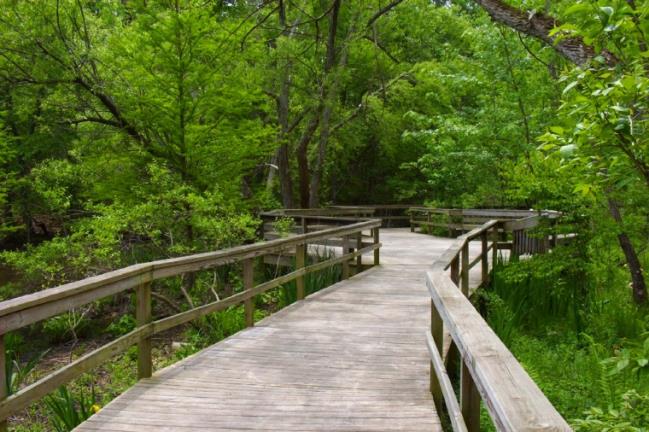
(383, 11)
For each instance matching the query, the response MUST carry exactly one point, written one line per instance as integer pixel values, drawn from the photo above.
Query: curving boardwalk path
(351, 357)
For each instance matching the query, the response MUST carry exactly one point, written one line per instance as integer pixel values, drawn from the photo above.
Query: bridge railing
(488, 370)
(518, 231)
(26, 310)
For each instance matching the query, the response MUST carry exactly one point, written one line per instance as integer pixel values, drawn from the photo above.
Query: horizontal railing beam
(25, 310)
(448, 392)
(513, 399)
(23, 397)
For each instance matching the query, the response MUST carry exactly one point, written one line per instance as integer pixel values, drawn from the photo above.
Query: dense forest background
(134, 130)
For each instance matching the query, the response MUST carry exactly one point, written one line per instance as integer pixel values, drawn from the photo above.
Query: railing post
(3, 378)
(248, 283)
(304, 225)
(377, 252)
(465, 269)
(437, 331)
(345, 274)
(300, 258)
(495, 248)
(485, 257)
(143, 317)
(455, 270)
(359, 246)
(515, 244)
(469, 401)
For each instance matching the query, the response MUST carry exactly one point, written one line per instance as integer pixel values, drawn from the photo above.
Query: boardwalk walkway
(350, 357)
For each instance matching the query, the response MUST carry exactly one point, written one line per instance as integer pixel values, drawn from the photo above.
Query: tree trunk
(328, 91)
(303, 159)
(539, 25)
(283, 164)
(635, 268)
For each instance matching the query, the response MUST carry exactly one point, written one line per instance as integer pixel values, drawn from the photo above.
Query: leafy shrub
(123, 325)
(284, 226)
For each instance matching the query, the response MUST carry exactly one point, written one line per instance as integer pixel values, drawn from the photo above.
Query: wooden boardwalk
(351, 357)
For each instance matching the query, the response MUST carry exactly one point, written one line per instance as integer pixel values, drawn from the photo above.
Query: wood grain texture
(352, 357)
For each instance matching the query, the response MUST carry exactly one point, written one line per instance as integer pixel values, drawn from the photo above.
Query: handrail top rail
(500, 213)
(146, 272)
(314, 216)
(514, 401)
(445, 260)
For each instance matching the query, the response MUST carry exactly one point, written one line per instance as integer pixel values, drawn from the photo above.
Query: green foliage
(68, 411)
(68, 324)
(123, 325)
(284, 226)
(632, 415)
(547, 287)
(16, 373)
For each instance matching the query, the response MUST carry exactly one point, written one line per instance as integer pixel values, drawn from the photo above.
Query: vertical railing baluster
(494, 255)
(455, 270)
(377, 252)
(359, 246)
(300, 258)
(143, 317)
(437, 331)
(485, 257)
(3, 378)
(345, 245)
(248, 283)
(465, 268)
(469, 400)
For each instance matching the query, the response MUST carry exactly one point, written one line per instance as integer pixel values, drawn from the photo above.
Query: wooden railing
(517, 231)
(23, 311)
(488, 370)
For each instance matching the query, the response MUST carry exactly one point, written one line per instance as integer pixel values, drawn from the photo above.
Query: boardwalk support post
(485, 257)
(469, 401)
(437, 331)
(465, 269)
(495, 248)
(359, 246)
(345, 274)
(377, 253)
(143, 316)
(300, 258)
(3, 379)
(455, 270)
(248, 283)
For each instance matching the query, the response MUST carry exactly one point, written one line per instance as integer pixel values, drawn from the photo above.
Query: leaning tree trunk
(574, 49)
(539, 25)
(638, 284)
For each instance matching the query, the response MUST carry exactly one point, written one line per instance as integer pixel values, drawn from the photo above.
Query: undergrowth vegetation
(577, 334)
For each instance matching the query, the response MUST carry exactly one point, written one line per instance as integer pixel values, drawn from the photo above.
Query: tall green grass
(584, 342)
